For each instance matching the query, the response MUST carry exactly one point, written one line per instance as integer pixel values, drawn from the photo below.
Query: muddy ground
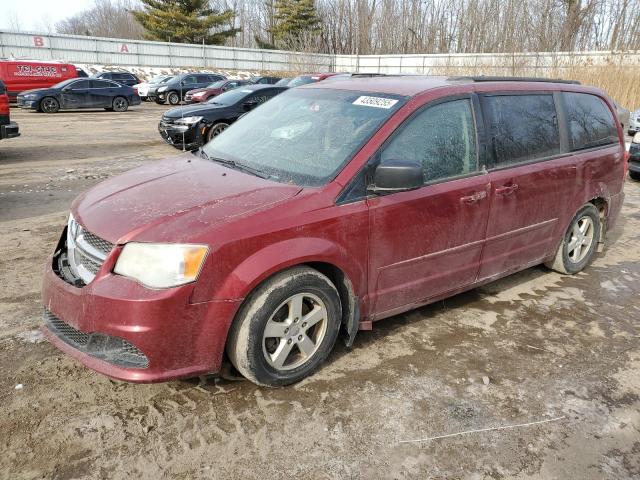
(535, 346)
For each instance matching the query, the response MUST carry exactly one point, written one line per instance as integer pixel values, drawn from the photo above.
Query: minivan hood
(173, 200)
(190, 110)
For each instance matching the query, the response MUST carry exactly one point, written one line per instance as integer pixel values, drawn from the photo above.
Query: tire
(297, 349)
(158, 101)
(631, 133)
(49, 105)
(635, 176)
(216, 129)
(120, 104)
(579, 243)
(173, 98)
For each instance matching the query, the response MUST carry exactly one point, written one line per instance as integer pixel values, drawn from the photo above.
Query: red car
(8, 129)
(21, 75)
(324, 210)
(200, 95)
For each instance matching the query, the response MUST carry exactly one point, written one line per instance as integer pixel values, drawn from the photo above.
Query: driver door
(76, 95)
(427, 242)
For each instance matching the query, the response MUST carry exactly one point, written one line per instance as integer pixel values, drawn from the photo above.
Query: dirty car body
(328, 186)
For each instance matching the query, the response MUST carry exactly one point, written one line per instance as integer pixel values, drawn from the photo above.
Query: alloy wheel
(295, 331)
(120, 104)
(582, 236)
(49, 105)
(217, 129)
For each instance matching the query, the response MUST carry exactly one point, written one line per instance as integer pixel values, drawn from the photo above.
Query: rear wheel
(173, 98)
(49, 105)
(120, 104)
(286, 328)
(216, 130)
(579, 243)
(635, 175)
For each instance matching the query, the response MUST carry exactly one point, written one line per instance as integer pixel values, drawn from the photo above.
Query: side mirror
(397, 176)
(249, 105)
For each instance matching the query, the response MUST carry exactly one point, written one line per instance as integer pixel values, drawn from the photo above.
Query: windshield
(231, 97)
(302, 80)
(218, 84)
(64, 83)
(304, 136)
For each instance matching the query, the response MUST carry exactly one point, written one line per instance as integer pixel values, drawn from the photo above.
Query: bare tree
(107, 18)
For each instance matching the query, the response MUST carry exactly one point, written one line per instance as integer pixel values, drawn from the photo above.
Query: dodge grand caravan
(324, 210)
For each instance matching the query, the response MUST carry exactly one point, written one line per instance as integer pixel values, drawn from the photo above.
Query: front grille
(114, 350)
(98, 243)
(80, 254)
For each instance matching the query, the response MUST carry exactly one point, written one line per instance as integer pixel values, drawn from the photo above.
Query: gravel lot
(533, 347)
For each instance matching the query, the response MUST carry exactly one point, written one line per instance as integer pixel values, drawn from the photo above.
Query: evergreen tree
(185, 21)
(294, 18)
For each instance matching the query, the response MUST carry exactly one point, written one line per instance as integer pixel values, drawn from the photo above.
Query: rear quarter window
(522, 127)
(589, 121)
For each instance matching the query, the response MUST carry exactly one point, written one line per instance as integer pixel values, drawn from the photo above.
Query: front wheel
(216, 130)
(173, 98)
(579, 243)
(286, 328)
(120, 104)
(49, 105)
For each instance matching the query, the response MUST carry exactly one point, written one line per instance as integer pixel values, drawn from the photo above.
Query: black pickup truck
(8, 129)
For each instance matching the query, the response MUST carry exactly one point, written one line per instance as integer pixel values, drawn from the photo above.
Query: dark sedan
(192, 126)
(80, 93)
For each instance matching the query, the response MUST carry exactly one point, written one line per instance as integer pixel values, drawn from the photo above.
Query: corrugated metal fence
(109, 51)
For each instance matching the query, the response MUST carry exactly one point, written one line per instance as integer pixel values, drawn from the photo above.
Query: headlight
(161, 89)
(30, 95)
(198, 94)
(189, 120)
(161, 265)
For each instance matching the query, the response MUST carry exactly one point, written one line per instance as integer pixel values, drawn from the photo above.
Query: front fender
(281, 255)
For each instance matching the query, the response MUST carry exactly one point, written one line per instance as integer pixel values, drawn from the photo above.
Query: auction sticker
(378, 102)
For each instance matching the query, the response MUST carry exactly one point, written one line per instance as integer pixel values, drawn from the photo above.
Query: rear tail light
(4, 104)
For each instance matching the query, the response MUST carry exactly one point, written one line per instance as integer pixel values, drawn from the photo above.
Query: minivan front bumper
(172, 337)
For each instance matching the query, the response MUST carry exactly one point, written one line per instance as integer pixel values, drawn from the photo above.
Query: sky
(39, 15)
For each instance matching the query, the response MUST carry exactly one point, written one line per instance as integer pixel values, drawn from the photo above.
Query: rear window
(590, 121)
(522, 127)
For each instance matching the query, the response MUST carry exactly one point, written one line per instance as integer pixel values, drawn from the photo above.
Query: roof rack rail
(489, 78)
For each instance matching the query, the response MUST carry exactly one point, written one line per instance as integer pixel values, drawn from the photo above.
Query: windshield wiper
(238, 166)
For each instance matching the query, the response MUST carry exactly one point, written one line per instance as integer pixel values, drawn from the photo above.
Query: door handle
(506, 189)
(474, 198)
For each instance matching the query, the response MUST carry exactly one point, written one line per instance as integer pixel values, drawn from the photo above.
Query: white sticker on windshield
(378, 102)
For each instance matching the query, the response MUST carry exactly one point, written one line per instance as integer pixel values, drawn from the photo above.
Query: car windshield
(64, 83)
(231, 97)
(302, 80)
(304, 136)
(218, 84)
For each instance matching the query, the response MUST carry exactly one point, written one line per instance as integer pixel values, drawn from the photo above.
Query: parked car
(634, 123)
(192, 126)
(8, 129)
(21, 75)
(265, 80)
(326, 209)
(143, 87)
(308, 78)
(152, 89)
(175, 89)
(80, 93)
(634, 157)
(199, 95)
(121, 77)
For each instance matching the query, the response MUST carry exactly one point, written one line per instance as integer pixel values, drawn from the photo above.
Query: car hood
(40, 91)
(174, 200)
(190, 110)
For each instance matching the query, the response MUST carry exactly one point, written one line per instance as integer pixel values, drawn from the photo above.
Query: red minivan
(21, 75)
(328, 208)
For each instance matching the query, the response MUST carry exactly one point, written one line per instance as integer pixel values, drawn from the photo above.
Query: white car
(634, 123)
(143, 88)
